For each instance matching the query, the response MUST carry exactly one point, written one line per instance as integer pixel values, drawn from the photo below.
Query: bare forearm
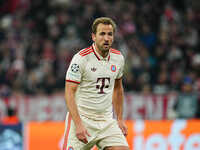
(72, 108)
(118, 104)
(71, 105)
(118, 94)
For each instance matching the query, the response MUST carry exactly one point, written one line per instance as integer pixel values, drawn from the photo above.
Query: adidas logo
(93, 69)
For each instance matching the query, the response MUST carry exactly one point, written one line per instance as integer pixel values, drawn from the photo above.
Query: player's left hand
(123, 127)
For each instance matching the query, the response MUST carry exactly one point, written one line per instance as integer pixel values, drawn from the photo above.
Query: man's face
(104, 37)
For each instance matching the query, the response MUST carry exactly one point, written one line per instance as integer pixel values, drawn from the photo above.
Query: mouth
(106, 44)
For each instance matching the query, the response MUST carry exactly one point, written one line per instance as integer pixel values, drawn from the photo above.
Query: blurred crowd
(159, 39)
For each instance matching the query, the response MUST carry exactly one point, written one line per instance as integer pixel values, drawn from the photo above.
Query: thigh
(112, 136)
(71, 142)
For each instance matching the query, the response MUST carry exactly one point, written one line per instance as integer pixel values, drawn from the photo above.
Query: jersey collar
(99, 57)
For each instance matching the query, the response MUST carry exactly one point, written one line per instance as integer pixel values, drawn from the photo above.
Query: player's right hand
(82, 133)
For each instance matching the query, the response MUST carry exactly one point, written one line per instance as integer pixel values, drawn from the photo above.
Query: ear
(93, 37)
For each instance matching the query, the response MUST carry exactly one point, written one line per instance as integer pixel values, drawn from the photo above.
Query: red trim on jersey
(108, 57)
(115, 51)
(67, 132)
(96, 55)
(73, 81)
(85, 51)
(82, 52)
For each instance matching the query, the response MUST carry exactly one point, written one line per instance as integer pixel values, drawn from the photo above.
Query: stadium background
(159, 39)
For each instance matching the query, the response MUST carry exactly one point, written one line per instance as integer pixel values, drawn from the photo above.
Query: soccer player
(93, 88)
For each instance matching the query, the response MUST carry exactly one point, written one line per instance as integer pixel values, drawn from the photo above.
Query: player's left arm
(118, 98)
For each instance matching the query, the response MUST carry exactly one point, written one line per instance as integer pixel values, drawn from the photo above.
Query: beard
(104, 47)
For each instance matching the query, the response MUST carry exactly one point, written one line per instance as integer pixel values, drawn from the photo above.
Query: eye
(110, 33)
(102, 33)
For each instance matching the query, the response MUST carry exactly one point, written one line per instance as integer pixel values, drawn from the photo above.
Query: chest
(96, 70)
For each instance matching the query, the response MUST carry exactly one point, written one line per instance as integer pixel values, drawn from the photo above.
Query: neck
(100, 52)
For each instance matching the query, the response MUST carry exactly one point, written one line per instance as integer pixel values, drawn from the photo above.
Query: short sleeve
(121, 69)
(74, 72)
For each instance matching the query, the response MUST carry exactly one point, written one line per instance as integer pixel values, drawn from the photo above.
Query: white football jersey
(96, 77)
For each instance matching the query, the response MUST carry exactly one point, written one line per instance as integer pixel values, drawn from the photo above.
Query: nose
(106, 37)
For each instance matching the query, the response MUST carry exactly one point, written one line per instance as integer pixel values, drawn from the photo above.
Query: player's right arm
(70, 90)
(73, 79)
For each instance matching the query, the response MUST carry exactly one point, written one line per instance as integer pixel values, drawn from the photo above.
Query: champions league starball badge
(75, 67)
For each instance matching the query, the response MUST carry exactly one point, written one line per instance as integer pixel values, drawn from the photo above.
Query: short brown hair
(103, 20)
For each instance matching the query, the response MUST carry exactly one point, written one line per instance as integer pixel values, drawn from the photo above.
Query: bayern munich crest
(75, 67)
(113, 68)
